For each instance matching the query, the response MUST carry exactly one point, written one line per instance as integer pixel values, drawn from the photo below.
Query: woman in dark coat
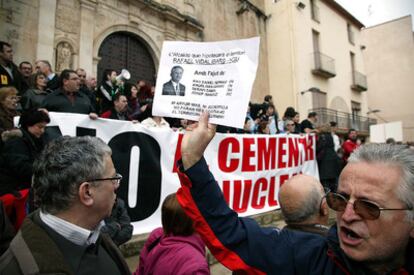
(33, 98)
(19, 151)
(107, 90)
(328, 161)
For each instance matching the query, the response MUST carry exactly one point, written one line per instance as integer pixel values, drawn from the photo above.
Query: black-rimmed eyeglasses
(115, 180)
(364, 208)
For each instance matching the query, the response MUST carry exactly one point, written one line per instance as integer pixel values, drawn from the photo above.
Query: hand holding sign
(213, 76)
(196, 140)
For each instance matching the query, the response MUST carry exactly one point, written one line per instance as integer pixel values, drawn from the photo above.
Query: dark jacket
(33, 251)
(16, 162)
(17, 81)
(105, 95)
(53, 84)
(310, 228)
(168, 89)
(329, 163)
(242, 245)
(113, 114)
(6, 119)
(90, 94)
(33, 98)
(6, 230)
(306, 124)
(118, 225)
(58, 101)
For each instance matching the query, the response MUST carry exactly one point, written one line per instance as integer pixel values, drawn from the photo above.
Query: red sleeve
(107, 114)
(226, 256)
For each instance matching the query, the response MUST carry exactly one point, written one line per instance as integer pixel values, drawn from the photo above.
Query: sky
(374, 12)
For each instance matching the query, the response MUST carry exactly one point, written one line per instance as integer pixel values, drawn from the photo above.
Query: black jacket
(16, 162)
(105, 95)
(57, 101)
(328, 161)
(16, 81)
(118, 225)
(53, 84)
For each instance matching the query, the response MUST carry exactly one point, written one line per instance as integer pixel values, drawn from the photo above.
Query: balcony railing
(324, 65)
(345, 121)
(359, 82)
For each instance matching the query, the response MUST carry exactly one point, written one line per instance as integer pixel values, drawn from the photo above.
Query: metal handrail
(344, 120)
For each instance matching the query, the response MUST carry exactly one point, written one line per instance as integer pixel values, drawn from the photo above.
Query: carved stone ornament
(64, 56)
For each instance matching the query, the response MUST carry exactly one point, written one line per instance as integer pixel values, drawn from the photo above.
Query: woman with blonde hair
(175, 248)
(8, 106)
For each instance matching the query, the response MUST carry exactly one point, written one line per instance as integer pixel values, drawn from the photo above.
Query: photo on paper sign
(174, 87)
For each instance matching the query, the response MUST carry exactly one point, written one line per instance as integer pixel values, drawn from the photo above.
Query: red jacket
(348, 146)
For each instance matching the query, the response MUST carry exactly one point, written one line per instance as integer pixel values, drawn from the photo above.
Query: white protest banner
(248, 168)
(213, 76)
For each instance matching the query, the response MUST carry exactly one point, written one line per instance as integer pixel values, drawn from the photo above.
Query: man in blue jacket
(374, 227)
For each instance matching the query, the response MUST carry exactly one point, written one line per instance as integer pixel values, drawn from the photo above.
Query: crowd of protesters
(32, 91)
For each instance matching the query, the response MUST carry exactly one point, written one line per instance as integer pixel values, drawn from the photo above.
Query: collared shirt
(70, 231)
(176, 87)
(52, 75)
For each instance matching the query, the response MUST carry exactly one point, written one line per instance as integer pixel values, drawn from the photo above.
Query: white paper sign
(213, 76)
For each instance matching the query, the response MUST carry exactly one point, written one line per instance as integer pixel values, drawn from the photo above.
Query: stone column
(46, 30)
(87, 10)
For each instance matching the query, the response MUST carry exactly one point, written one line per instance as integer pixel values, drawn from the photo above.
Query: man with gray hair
(45, 67)
(74, 183)
(303, 205)
(373, 234)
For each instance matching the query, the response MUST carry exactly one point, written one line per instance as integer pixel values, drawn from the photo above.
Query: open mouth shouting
(350, 237)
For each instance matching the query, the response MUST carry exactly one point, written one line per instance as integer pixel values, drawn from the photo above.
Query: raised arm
(195, 141)
(238, 243)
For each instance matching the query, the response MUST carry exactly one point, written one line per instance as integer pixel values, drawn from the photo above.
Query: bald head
(300, 201)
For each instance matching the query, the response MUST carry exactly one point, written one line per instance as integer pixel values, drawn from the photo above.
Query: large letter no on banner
(148, 167)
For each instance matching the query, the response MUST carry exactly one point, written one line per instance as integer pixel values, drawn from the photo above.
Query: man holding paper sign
(368, 238)
(174, 87)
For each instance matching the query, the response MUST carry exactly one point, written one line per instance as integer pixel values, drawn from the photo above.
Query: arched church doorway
(124, 50)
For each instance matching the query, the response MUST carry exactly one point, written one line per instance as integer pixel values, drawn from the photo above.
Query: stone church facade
(117, 34)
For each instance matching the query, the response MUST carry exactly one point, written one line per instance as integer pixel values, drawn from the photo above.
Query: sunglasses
(364, 208)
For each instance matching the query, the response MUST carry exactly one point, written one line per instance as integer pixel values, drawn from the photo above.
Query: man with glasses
(74, 184)
(67, 98)
(374, 227)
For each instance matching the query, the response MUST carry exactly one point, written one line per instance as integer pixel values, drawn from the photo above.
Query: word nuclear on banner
(213, 76)
(249, 168)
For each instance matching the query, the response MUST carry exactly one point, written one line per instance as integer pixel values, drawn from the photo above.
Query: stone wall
(40, 29)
